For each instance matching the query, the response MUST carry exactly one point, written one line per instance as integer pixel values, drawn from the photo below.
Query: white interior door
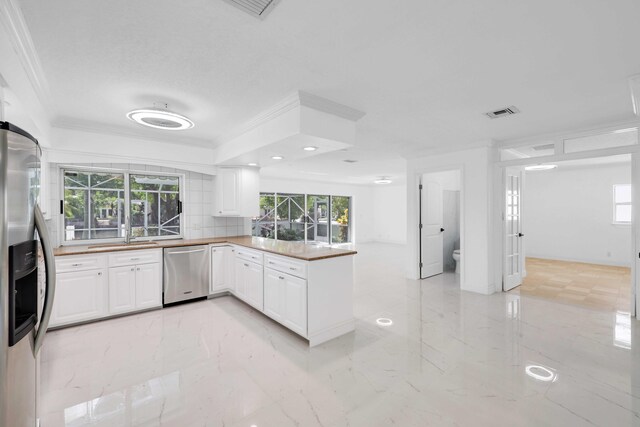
(431, 231)
(514, 262)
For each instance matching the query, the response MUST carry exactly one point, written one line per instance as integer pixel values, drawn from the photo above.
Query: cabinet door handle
(99, 273)
(281, 277)
(246, 265)
(271, 262)
(138, 268)
(133, 269)
(292, 268)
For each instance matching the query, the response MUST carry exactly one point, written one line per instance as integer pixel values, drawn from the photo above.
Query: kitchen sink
(124, 245)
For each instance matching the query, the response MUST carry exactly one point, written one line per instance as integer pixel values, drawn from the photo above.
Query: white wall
(475, 210)
(390, 214)
(567, 214)
(361, 202)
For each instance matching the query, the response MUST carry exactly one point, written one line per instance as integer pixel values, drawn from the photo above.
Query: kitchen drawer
(65, 264)
(144, 256)
(287, 265)
(249, 255)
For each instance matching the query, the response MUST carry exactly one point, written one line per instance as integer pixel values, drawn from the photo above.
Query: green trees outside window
(304, 217)
(95, 205)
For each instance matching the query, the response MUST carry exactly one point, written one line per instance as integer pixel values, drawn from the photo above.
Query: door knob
(520, 235)
(441, 230)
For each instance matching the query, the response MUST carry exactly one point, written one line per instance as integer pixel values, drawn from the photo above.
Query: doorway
(440, 223)
(568, 234)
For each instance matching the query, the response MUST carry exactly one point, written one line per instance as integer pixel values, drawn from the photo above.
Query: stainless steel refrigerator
(23, 319)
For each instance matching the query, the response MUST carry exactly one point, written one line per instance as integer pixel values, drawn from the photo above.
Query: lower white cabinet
(285, 300)
(249, 283)
(87, 290)
(122, 289)
(148, 285)
(80, 296)
(134, 287)
(218, 274)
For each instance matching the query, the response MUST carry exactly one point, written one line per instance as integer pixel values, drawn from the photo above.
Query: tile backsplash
(197, 218)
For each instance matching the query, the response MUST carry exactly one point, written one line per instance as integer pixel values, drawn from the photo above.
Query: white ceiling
(423, 71)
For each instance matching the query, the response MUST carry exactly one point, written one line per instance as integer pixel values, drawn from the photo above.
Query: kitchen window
(96, 203)
(304, 217)
(622, 204)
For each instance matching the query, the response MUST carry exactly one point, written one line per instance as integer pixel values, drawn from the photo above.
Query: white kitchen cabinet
(134, 287)
(230, 269)
(249, 283)
(122, 289)
(218, 275)
(148, 286)
(285, 300)
(236, 192)
(80, 296)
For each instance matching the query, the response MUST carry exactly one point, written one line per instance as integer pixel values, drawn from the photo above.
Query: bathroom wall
(197, 193)
(451, 225)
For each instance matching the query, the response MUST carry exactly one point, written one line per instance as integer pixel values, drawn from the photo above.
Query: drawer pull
(271, 262)
(134, 259)
(281, 277)
(292, 268)
(246, 265)
(76, 265)
(133, 269)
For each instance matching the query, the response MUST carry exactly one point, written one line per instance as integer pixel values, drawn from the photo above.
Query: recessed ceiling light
(383, 321)
(383, 180)
(541, 373)
(350, 161)
(310, 148)
(252, 164)
(277, 157)
(160, 118)
(540, 167)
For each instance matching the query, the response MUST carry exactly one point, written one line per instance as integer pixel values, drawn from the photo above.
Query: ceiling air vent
(507, 111)
(256, 8)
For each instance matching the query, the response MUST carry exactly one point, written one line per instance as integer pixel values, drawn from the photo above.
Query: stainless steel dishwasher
(186, 273)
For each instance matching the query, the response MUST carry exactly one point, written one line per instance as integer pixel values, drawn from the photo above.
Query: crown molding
(295, 99)
(12, 18)
(68, 123)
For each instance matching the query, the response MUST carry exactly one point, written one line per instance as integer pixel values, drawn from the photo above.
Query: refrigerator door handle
(50, 290)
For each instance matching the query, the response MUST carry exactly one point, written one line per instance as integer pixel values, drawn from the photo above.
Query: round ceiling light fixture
(384, 321)
(159, 117)
(383, 180)
(310, 148)
(540, 167)
(277, 157)
(252, 164)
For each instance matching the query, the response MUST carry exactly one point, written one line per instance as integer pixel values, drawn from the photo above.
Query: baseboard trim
(333, 332)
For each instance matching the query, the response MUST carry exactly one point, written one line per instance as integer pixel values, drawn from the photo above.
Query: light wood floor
(596, 286)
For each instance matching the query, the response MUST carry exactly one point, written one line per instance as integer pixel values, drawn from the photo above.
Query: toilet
(456, 257)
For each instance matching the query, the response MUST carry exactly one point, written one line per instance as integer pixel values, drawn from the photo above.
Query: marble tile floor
(450, 358)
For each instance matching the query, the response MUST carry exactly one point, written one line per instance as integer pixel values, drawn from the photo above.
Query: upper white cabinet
(236, 192)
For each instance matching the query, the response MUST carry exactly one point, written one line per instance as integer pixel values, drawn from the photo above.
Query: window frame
(616, 204)
(306, 210)
(127, 200)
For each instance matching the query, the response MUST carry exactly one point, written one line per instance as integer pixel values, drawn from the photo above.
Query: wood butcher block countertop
(297, 250)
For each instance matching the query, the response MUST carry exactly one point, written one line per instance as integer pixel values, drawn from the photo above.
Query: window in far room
(622, 204)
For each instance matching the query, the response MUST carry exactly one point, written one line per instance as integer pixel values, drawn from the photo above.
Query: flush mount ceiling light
(277, 157)
(540, 167)
(310, 148)
(252, 164)
(159, 117)
(625, 130)
(383, 180)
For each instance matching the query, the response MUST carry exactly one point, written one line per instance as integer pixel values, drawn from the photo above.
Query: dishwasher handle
(185, 252)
